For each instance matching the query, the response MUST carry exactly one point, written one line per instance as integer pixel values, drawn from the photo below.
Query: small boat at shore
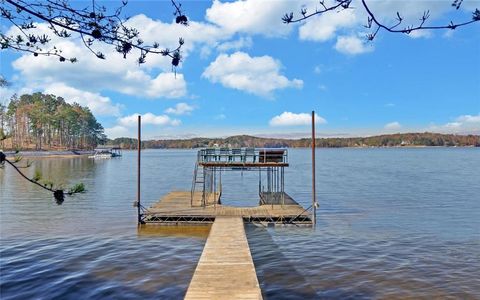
(107, 152)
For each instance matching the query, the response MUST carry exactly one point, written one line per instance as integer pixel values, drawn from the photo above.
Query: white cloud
(153, 79)
(453, 125)
(256, 75)
(180, 109)
(393, 126)
(352, 45)
(98, 104)
(92, 74)
(411, 11)
(464, 124)
(324, 27)
(420, 34)
(293, 119)
(461, 124)
(469, 119)
(148, 119)
(197, 35)
(117, 131)
(252, 16)
(205, 52)
(348, 23)
(167, 34)
(5, 94)
(243, 42)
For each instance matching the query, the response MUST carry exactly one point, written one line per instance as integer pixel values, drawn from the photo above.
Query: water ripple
(392, 224)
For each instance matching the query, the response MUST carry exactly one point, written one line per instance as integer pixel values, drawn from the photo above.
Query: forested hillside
(391, 140)
(39, 121)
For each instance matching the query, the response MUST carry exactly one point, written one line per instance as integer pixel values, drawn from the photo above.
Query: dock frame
(204, 203)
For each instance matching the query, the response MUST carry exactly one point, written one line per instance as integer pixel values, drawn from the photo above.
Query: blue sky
(245, 72)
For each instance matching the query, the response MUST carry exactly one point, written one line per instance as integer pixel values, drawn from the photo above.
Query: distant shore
(425, 139)
(80, 153)
(49, 154)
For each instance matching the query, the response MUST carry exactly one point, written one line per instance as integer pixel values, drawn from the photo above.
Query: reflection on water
(174, 231)
(120, 267)
(277, 276)
(392, 224)
(401, 267)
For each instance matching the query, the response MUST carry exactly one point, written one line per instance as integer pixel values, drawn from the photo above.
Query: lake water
(392, 224)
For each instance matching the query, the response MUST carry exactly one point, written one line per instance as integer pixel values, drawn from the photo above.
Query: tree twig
(373, 20)
(58, 194)
(95, 23)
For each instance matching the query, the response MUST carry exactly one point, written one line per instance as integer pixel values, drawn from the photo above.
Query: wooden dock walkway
(175, 209)
(225, 269)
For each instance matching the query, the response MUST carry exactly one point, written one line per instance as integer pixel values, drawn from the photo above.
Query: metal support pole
(214, 187)
(277, 184)
(139, 146)
(314, 195)
(204, 181)
(283, 186)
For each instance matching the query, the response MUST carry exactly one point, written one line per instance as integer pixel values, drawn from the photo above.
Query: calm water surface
(393, 224)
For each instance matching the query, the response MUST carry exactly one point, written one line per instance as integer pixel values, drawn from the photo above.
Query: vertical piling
(314, 195)
(139, 148)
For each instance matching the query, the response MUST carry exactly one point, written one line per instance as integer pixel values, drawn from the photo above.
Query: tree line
(45, 122)
(390, 140)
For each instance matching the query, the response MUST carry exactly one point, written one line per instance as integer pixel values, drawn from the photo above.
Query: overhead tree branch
(93, 24)
(373, 22)
(58, 194)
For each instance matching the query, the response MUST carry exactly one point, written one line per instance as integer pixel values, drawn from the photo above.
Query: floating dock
(225, 269)
(176, 209)
(203, 203)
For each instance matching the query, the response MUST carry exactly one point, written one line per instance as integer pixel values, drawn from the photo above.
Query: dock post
(139, 146)
(314, 196)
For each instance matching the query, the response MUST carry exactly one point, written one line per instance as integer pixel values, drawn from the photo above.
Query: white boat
(107, 152)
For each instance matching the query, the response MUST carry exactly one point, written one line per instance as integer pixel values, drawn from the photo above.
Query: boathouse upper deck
(242, 157)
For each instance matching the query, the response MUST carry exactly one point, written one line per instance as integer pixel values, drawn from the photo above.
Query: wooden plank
(242, 164)
(178, 203)
(225, 269)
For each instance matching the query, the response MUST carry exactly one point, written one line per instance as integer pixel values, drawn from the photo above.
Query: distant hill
(390, 140)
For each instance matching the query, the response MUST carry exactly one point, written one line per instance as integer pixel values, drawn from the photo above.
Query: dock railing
(242, 155)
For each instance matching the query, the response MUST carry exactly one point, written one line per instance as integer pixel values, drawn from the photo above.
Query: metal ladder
(197, 179)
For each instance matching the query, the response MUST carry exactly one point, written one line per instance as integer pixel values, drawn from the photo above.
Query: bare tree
(94, 24)
(373, 22)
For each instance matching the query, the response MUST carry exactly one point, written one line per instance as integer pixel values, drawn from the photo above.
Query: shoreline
(49, 154)
(82, 153)
(352, 147)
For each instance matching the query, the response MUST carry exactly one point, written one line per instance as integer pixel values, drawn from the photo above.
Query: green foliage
(391, 140)
(48, 183)
(37, 175)
(50, 122)
(77, 188)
